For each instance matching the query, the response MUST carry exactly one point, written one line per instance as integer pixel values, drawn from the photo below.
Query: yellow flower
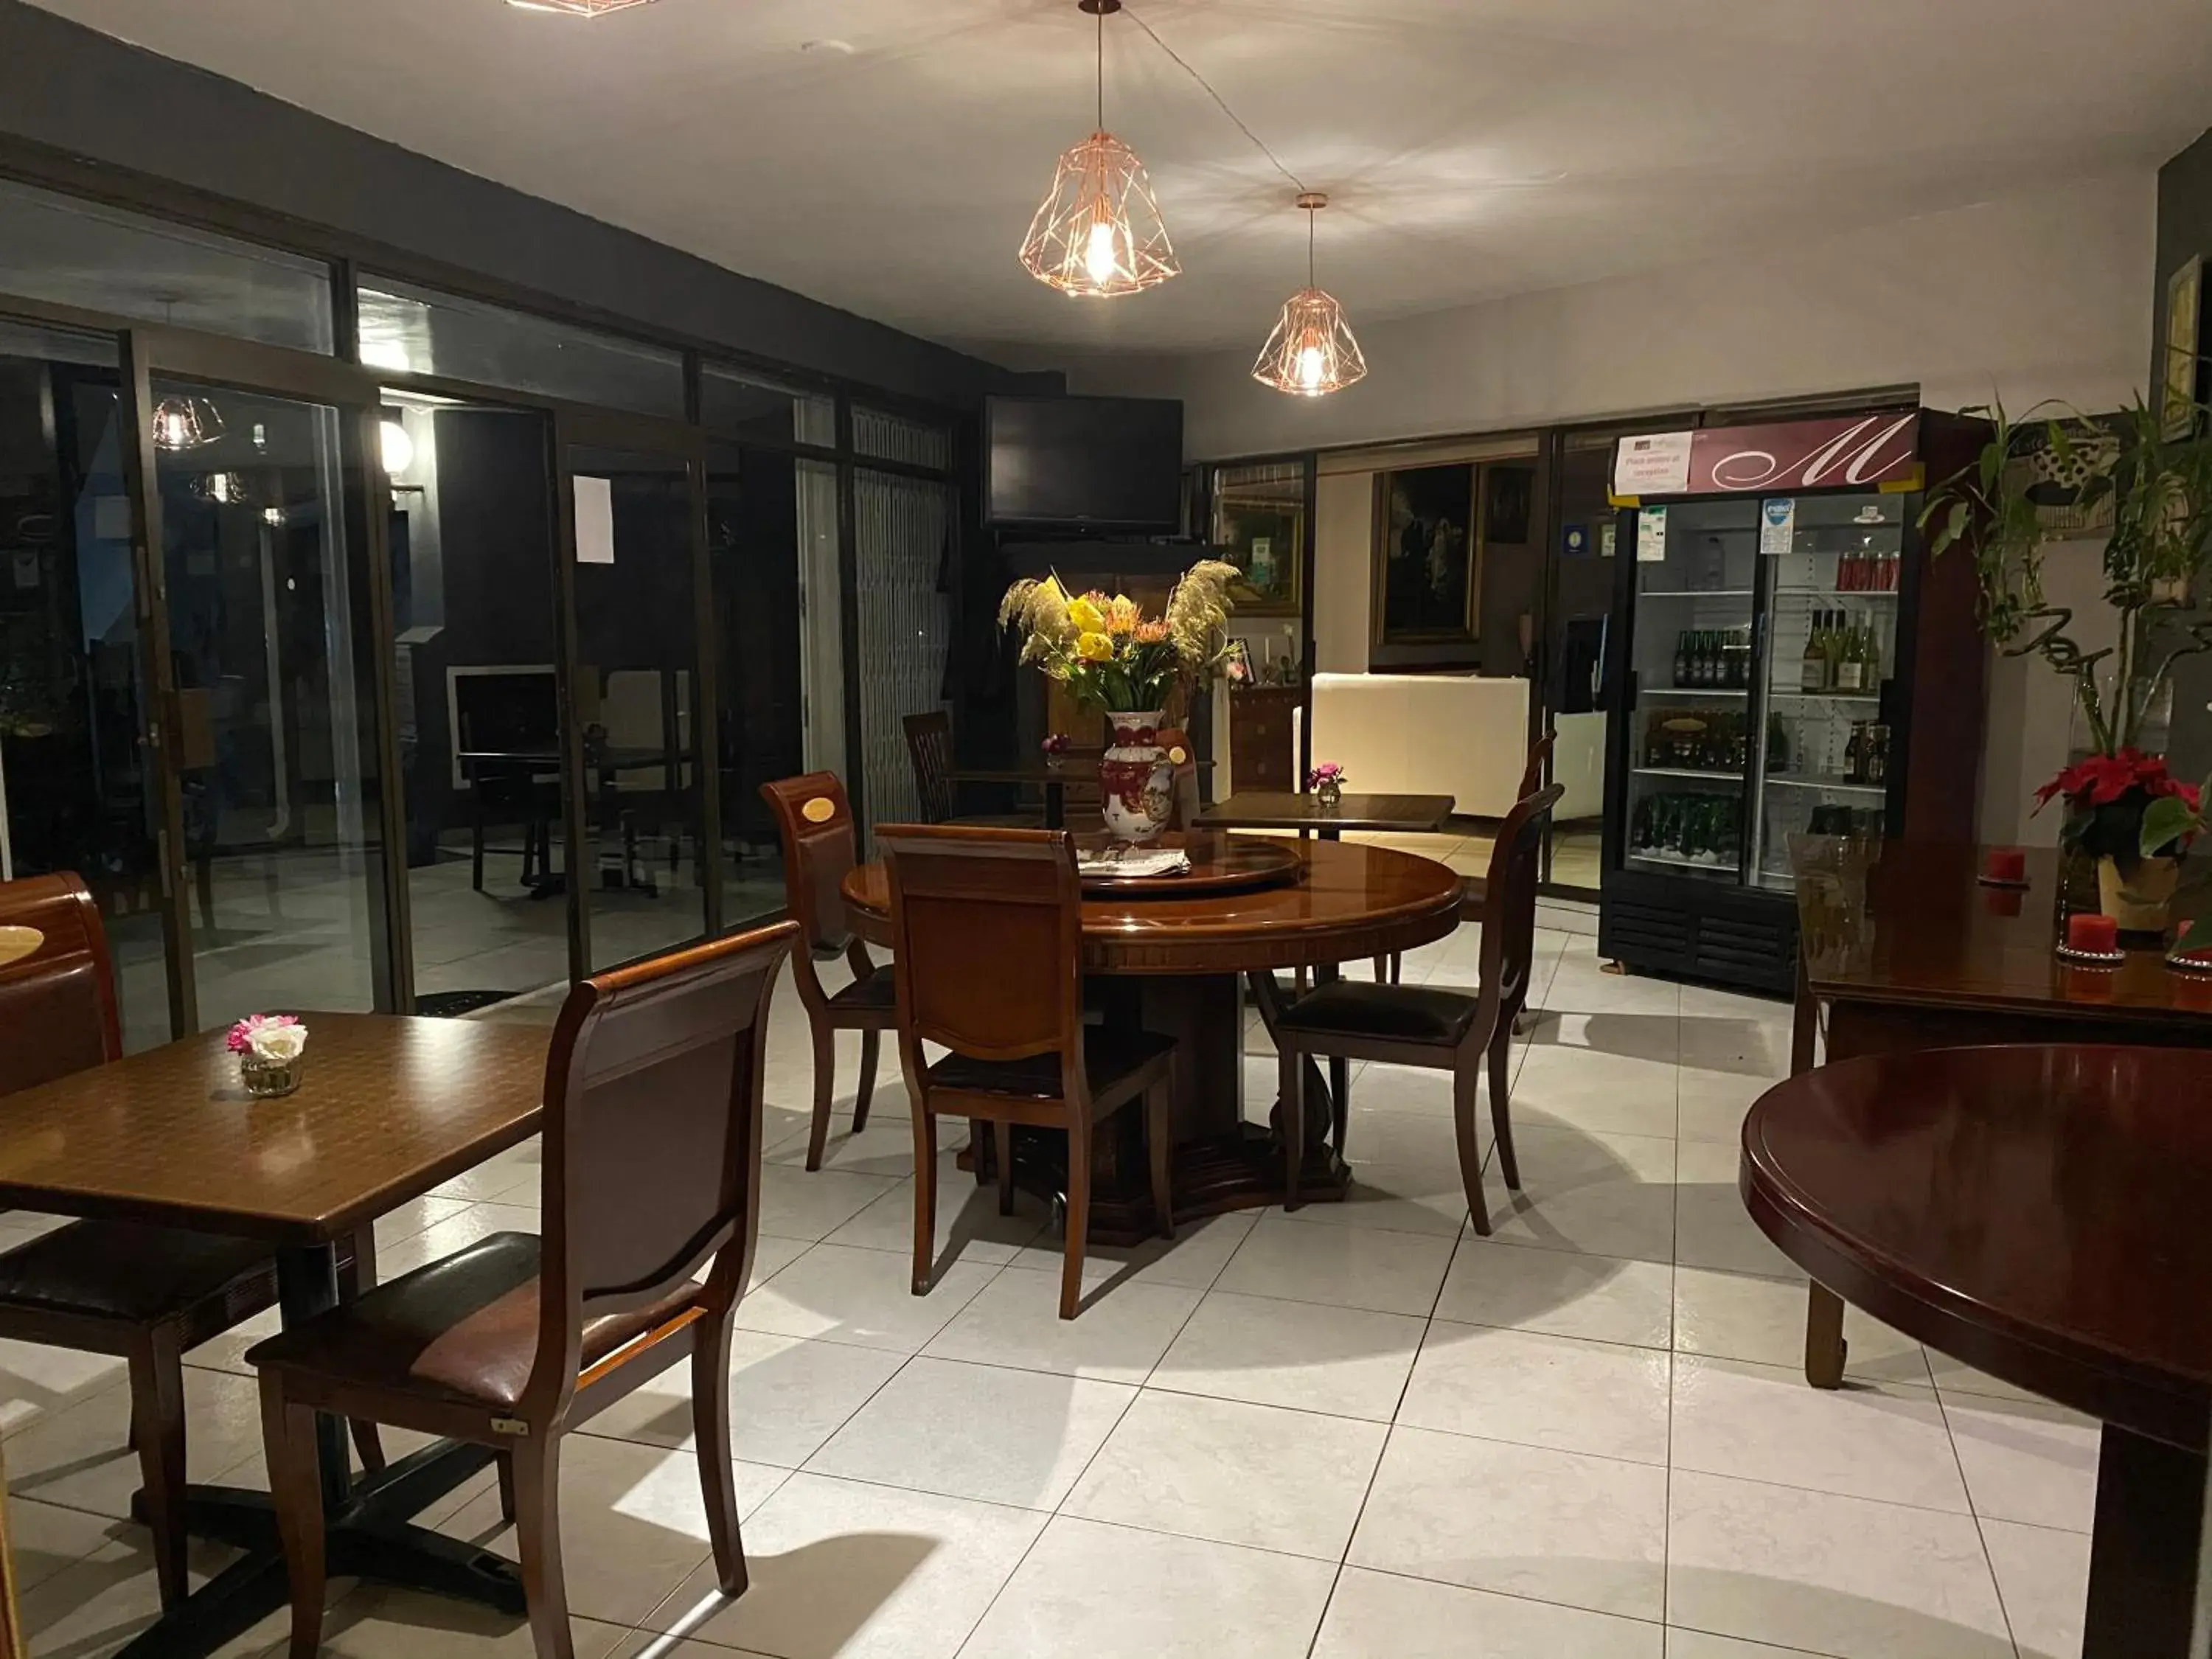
(1122, 615)
(1086, 615)
(1094, 647)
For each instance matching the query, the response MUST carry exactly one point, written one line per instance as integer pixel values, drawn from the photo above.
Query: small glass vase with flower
(1325, 783)
(272, 1050)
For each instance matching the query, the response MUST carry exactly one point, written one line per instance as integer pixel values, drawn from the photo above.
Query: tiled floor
(1358, 1432)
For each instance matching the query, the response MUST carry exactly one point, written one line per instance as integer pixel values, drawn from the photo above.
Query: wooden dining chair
(929, 747)
(987, 934)
(652, 1168)
(815, 823)
(1423, 1026)
(145, 1294)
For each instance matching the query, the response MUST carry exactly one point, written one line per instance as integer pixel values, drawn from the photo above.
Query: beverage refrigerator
(1785, 658)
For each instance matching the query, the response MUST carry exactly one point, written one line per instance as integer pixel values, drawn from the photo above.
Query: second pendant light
(1312, 351)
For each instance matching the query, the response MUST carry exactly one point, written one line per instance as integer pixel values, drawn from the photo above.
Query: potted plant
(1113, 657)
(2124, 812)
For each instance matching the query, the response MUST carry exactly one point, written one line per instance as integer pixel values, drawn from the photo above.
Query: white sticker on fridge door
(1652, 536)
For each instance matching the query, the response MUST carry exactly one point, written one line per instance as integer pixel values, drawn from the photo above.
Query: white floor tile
(1712, 1228)
(1234, 1473)
(2043, 1576)
(797, 1204)
(1591, 1089)
(2023, 1462)
(1734, 1315)
(1567, 1293)
(1404, 1198)
(1831, 1575)
(857, 1571)
(863, 1296)
(1605, 1194)
(1346, 1266)
(1377, 1615)
(1535, 1390)
(1352, 1361)
(1115, 1593)
(1585, 1532)
(1118, 1336)
(979, 1432)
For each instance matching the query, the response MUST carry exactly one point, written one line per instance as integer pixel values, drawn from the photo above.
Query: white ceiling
(885, 155)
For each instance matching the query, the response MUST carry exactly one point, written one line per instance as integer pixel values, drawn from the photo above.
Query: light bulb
(1313, 365)
(398, 448)
(1098, 255)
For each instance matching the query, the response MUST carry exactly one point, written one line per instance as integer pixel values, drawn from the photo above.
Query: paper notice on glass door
(1777, 525)
(1657, 464)
(1652, 536)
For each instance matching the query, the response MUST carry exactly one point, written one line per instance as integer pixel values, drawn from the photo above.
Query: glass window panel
(902, 530)
(637, 684)
(77, 789)
(275, 751)
(749, 406)
(878, 436)
(418, 331)
(479, 720)
(74, 252)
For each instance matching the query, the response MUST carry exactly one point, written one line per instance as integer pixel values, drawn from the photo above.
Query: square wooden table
(389, 1107)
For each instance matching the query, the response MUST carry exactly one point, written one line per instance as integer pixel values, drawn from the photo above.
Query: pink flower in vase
(1327, 773)
(240, 1040)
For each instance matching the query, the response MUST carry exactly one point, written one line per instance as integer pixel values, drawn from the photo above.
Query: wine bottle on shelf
(1851, 665)
(1870, 658)
(1835, 649)
(1681, 659)
(1855, 753)
(1813, 668)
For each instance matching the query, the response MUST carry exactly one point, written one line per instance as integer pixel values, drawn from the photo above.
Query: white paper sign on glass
(1777, 525)
(1652, 536)
(1655, 464)
(595, 520)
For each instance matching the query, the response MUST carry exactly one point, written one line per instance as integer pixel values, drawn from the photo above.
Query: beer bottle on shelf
(1681, 659)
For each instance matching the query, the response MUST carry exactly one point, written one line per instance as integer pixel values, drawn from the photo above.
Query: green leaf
(2164, 821)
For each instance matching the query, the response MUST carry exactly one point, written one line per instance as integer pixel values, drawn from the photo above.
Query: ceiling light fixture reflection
(182, 422)
(1098, 233)
(398, 448)
(1312, 352)
(223, 488)
(576, 8)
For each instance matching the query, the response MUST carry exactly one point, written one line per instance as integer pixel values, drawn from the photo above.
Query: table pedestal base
(2142, 1556)
(371, 1537)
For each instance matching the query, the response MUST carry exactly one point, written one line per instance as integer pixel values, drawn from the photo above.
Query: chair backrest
(987, 936)
(652, 1141)
(815, 820)
(1509, 907)
(1184, 759)
(1539, 756)
(929, 745)
(58, 1012)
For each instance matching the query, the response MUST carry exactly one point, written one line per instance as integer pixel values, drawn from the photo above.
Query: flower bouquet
(270, 1050)
(1113, 657)
(1326, 783)
(2134, 819)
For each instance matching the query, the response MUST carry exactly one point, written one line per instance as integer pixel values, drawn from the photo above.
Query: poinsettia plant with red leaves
(2125, 806)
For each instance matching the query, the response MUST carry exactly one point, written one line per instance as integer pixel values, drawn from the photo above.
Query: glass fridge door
(1824, 755)
(1689, 693)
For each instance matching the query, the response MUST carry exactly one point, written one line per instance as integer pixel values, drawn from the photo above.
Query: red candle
(2005, 864)
(2092, 934)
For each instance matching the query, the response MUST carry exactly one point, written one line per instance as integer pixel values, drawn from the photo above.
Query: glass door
(80, 789)
(636, 579)
(259, 504)
(1689, 696)
(1577, 611)
(1824, 751)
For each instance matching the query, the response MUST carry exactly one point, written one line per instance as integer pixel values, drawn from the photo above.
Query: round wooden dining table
(1177, 964)
(2038, 1212)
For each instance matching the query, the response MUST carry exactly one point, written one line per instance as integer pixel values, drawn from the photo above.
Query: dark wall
(2185, 227)
(77, 91)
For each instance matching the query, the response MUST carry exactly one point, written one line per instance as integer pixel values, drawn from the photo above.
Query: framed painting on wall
(1427, 556)
(2184, 311)
(1264, 537)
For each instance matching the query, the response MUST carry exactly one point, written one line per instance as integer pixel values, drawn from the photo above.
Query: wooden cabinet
(1260, 755)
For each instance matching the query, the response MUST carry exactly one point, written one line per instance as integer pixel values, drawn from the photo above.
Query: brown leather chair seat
(1110, 1057)
(464, 1327)
(119, 1270)
(877, 990)
(1415, 1012)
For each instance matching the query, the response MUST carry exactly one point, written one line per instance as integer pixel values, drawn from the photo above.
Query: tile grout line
(1973, 1510)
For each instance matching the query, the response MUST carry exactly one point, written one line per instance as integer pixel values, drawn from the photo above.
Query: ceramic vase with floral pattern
(1136, 780)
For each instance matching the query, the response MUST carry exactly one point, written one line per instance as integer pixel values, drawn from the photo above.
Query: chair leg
(871, 1043)
(1078, 1218)
(295, 1488)
(1002, 1155)
(477, 842)
(1501, 1116)
(1291, 1103)
(825, 1088)
(157, 1422)
(1159, 1141)
(1340, 1087)
(537, 1534)
(1467, 1079)
(505, 1464)
(925, 1198)
(710, 1424)
(358, 1275)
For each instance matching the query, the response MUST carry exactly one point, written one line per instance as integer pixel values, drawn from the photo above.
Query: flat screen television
(1084, 463)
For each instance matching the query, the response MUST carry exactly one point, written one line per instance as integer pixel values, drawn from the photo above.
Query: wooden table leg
(1825, 1348)
(2143, 1555)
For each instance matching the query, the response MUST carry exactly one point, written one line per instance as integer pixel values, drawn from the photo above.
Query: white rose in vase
(277, 1045)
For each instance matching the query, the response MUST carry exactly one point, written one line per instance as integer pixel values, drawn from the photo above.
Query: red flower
(2103, 778)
